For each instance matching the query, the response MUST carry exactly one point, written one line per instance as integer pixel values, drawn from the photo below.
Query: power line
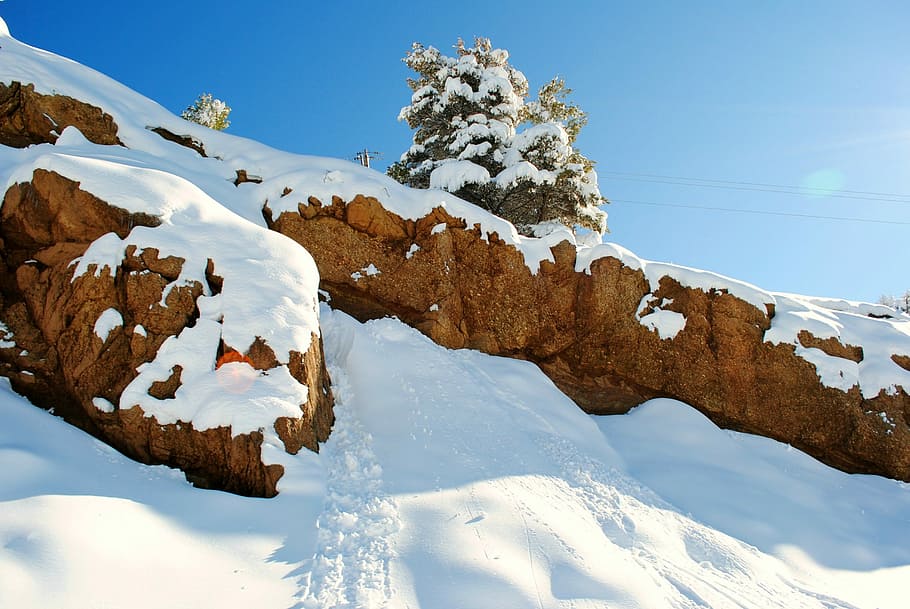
(833, 194)
(760, 212)
(653, 175)
(758, 187)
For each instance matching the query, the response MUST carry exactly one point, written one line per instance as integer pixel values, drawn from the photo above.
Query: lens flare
(823, 182)
(235, 372)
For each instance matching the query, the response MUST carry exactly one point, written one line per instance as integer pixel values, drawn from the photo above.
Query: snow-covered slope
(451, 479)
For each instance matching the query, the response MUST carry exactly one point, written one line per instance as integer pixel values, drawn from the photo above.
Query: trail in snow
(350, 568)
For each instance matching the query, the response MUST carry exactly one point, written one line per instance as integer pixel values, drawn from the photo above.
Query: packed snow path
(354, 549)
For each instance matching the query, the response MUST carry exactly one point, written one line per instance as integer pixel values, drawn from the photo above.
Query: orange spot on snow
(231, 357)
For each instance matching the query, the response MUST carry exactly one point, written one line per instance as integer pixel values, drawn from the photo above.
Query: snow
(453, 175)
(451, 478)
(652, 315)
(5, 336)
(476, 127)
(353, 551)
(508, 496)
(849, 325)
(368, 271)
(269, 289)
(83, 526)
(851, 306)
(529, 139)
(103, 405)
(307, 176)
(106, 322)
(474, 150)
(234, 395)
(688, 277)
(666, 323)
(196, 228)
(774, 497)
(523, 170)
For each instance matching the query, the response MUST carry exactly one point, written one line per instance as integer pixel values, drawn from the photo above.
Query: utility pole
(365, 156)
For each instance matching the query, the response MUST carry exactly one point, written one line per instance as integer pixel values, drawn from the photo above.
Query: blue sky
(779, 94)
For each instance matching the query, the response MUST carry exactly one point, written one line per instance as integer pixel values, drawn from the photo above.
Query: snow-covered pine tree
(209, 112)
(466, 110)
(547, 178)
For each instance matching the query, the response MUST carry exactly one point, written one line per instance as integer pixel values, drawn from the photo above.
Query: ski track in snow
(350, 569)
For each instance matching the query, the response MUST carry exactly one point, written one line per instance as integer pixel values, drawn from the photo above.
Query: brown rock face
(582, 330)
(59, 361)
(28, 118)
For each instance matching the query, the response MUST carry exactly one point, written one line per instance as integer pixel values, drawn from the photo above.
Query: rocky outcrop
(461, 287)
(466, 289)
(27, 117)
(55, 353)
(186, 141)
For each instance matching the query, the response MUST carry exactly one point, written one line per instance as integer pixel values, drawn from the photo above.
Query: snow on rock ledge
(139, 283)
(613, 330)
(820, 374)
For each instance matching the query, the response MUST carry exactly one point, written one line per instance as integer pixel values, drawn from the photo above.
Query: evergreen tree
(548, 178)
(209, 112)
(466, 112)
(551, 105)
